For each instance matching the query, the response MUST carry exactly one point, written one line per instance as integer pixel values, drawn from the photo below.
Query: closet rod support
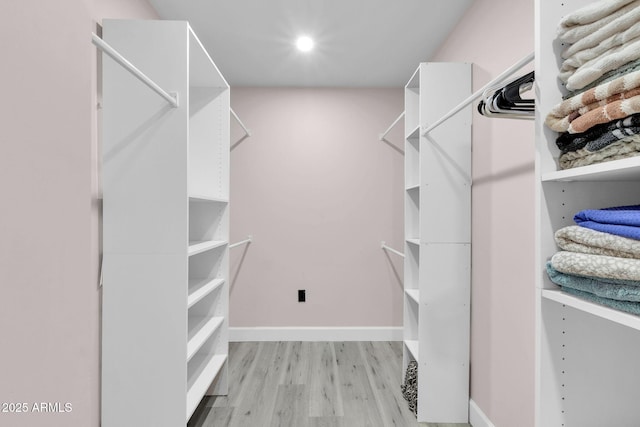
(116, 56)
(244, 128)
(387, 248)
(477, 94)
(395, 122)
(242, 242)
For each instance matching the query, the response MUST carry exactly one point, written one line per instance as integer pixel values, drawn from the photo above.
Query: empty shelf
(412, 346)
(414, 294)
(601, 311)
(200, 288)
(200, 329)
(616, 170)
(414, 241)
(202, 370)
(413, 187)
(196, 247)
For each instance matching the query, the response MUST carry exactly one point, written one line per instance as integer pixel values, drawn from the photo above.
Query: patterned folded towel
(620, 220)
(622, 149)
(622, 290)
(574, 238)
(586, 20)
(600, 136)
(607, 77)
(610, 101)
(594, 69)
(626, 306)
(596, 266)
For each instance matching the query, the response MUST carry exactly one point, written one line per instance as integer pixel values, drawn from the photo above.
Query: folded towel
(613, 100)
(600, 135)
(595, 68)
(597, 266)
(602, 40)
(577, 123)
(626, 306)
(587, 241)
(622, 149)
(619, 220)
(607, 77)
(586, 20)
(621, 290)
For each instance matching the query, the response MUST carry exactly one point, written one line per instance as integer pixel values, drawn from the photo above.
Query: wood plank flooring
(311, 384)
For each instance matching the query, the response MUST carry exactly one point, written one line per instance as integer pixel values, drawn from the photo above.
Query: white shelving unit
(165, 227)
(586, 360)
(438, 240)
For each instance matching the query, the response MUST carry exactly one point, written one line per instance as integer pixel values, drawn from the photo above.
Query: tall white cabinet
(438, 240)
(165, 228)
(587, 355)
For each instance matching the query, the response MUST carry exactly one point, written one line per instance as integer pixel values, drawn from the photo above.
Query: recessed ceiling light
(304, 43)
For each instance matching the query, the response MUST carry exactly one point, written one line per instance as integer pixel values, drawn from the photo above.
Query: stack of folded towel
(601, 71)
(600, 257)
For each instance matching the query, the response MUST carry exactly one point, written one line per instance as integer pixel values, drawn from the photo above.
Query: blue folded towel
(621, 220)
(616, 289)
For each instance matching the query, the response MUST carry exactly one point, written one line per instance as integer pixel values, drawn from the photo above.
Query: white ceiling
(359, 43)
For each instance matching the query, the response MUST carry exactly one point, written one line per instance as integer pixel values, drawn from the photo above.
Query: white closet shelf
(200, 329)
(414, 294)
(412, 346)
(415, 133)
(598, 310)
(414, 241)
(616, 170)
(201, 372)
(200, 288)
(413, 187)
(196, 247)
(201, 198)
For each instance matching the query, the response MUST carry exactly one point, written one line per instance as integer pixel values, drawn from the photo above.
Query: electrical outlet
(302, 297)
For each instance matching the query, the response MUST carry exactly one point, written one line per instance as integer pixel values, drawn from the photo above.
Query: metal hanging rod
(395, 122)
(116, 56)
(247, 131)
(505, 74)
(387, 248)
(242, 242)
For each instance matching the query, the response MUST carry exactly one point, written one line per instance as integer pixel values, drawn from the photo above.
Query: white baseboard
(316, 334)
(477, 418)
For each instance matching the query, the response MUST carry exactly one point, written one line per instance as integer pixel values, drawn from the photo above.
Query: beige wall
(318, 191)
(49, 297)
(494, 34)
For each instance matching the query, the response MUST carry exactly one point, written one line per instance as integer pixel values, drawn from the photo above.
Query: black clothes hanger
(506, 100)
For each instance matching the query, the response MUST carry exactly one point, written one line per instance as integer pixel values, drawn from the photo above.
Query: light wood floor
(311, 384)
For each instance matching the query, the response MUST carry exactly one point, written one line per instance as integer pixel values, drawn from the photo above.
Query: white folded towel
(574, 33)
(592, 12)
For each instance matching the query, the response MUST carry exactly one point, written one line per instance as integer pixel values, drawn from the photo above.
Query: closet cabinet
(587, 355)
(165, 227)
(437, 240)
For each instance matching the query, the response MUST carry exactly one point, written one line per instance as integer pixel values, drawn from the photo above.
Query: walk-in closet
(305, 213)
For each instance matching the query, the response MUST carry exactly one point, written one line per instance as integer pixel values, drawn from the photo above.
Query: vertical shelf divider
(438, 240)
